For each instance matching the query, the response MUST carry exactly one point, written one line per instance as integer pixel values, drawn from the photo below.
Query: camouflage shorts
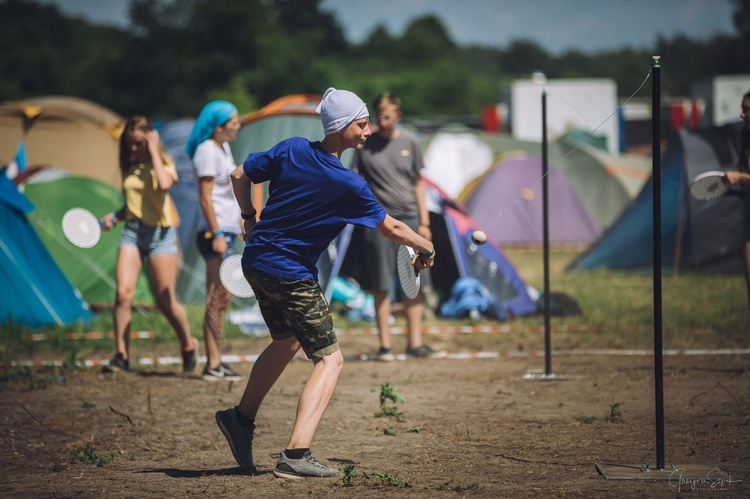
(294, 308)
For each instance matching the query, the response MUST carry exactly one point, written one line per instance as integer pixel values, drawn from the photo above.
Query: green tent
(290, 116)
(92, 270)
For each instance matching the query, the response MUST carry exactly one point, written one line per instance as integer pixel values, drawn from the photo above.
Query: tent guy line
(520, 198)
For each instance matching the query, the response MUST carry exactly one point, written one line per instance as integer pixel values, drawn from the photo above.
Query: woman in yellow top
(148, 174)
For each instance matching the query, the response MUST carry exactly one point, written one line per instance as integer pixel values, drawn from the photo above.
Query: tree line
(177, 54)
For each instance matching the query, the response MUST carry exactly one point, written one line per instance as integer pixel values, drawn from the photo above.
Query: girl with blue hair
(208, 147)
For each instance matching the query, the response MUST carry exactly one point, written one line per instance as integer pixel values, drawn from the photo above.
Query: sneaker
(223, 372)
(385, 355)
(307, 466)
(117, 364)
(190, 359)
(240, 438)
(425, 352)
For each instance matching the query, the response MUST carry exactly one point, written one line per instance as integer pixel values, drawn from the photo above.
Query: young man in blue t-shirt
(312, 197)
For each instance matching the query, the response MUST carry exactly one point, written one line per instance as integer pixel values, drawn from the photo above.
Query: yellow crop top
(143, 198)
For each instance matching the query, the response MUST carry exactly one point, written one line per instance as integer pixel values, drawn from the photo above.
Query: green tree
(177, 54)
(425, 41)
(524, 57)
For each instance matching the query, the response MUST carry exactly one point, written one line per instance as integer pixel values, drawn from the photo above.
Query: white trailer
(722, 96)
(572, 104)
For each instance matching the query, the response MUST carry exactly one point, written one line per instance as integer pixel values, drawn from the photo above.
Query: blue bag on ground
(470, 298)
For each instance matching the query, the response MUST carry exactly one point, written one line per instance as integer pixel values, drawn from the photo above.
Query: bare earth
(470, 428)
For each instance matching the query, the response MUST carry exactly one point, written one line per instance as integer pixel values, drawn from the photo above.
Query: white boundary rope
(530, 354)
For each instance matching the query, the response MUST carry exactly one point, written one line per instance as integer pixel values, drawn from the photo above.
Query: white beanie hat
(339, 108)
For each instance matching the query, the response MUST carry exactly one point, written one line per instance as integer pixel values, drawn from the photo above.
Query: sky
(557, 25)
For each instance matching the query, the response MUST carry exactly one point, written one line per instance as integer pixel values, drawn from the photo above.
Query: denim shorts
(150, 241)
(294, 307)
(205, 245)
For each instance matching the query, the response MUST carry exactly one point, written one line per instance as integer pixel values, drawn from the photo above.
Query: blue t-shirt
(311, 198)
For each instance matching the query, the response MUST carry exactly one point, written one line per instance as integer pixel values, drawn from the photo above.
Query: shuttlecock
(478, 237)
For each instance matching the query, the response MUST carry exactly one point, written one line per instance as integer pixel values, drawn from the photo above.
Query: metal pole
(545, 226)
(656, 176)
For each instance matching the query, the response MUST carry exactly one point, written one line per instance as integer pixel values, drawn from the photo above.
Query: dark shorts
(205, 245)
(294, 308)
(380, 254)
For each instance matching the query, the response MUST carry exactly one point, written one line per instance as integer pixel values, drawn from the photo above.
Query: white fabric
(339, 108)
(452, 160)
(212, 161)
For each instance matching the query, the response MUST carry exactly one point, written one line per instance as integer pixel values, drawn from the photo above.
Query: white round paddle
(233, 279)
(709, 185)
(407, 274)
(81, 227)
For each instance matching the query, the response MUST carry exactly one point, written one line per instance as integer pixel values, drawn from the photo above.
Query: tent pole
(545, 227)
(656, 174)
(548, 374)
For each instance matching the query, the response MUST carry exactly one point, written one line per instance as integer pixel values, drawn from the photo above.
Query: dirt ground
(469, 428)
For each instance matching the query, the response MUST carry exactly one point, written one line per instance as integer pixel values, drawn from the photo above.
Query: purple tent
(507, 202)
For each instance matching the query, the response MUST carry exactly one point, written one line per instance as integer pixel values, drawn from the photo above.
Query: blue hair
(213, 114)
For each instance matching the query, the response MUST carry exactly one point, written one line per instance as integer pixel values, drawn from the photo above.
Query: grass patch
(615, 413)
(67, 346)
(89, 456)
(389, 395)
(387, 479)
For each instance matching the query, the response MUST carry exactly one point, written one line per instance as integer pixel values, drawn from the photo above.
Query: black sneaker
(223, 372)
(306, 466)
(117, 364)
(240, 438)
(425, 352)
(190, 359)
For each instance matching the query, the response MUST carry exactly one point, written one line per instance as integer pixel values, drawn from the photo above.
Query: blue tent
(696, 235)
(33, 290)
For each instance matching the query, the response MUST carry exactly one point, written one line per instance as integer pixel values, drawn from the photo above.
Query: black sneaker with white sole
(117, 364)
(223, 372)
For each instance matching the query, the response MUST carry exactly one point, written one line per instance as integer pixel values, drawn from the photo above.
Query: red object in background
(491, 119)
(677, 120)
(685, 114)
(695, 115)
